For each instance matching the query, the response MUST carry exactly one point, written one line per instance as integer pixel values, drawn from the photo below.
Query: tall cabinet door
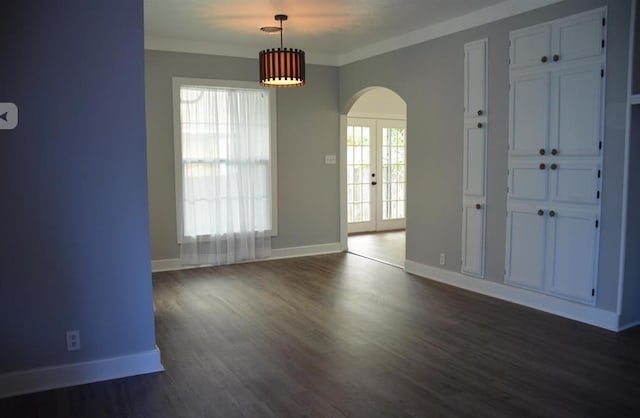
(529, 101)
(577, 111)
(526, 244)
(475, 75)
(474, 158)
(574, 249)
(473, 228)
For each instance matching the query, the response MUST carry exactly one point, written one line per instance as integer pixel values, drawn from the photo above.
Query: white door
(528, 180)
(526, 247)
(578, 37)
(576, 107)
(473, 238)
(530, 47)
(475, 148)
(475, 77)
(574, 238)
(575, 182)
(376, 175)
(529, 127)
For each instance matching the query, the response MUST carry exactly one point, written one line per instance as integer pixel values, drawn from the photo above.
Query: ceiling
(330, 31)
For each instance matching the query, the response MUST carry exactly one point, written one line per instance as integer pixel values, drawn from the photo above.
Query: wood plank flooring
(388, 247)
(340, 335)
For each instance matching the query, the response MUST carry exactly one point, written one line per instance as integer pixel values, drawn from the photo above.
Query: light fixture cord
(281, 34)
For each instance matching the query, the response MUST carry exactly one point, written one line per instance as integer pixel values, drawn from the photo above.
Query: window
(224, 157)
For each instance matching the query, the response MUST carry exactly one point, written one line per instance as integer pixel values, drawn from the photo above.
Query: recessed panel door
(529, 127)
(526, 247)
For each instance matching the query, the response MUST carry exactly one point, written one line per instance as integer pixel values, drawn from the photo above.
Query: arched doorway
(373, 177)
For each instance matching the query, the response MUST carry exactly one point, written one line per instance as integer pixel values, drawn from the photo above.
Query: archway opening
(373, 184)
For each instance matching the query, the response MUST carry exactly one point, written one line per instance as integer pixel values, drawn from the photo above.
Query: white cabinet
(576, 38)
(573, 246)
(555, 155)
(576, 107)
(473, 229)
(526, 240)
(529, 117)
(553, 250)
(475, 148)
(474, 157)
(475, 76)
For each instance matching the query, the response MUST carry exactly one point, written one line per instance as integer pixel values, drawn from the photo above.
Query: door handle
(478, 206)
(542, 151)
(554, 166)
(540, 212)
(480, 112)
(552, 213)
(373, 183)
(543, 166)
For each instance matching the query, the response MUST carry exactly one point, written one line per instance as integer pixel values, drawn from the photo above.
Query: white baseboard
(276, 254)
(572, 310)
(628, 325)
(46, 378)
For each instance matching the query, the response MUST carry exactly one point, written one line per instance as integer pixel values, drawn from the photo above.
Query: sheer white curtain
(226, 175)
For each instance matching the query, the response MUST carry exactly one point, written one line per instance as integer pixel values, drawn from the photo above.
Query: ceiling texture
(332, 32)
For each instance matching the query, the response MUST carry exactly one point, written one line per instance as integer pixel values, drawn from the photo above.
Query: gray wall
(75, 238)
(308, 128)
(429, 78)
(631, 300)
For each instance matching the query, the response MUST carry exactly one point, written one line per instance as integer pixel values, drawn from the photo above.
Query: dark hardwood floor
(388, 246)
(341, 335)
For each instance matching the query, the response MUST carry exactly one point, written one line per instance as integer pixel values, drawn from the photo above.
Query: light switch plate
(8, 116)
(330, 159)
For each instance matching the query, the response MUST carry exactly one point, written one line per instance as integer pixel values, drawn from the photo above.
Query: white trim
(477, 18)
(480, 17)
(388, 116)
(46, 378)
(154, 43)
(628, 325)
(344, 226)
(567, 309)
(172, 264)
(176, 84)
(625, 172)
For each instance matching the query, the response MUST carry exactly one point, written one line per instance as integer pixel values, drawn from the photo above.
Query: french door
(376, 173)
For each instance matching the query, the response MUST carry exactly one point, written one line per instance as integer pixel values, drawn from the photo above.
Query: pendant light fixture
(281, 67)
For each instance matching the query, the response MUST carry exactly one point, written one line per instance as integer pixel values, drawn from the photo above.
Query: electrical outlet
(73, 340)
(443, 259)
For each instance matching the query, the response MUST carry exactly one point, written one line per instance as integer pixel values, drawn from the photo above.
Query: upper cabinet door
(475, 79)
(474, 160)
(578, 37)
(529, 102)
(530, 47)
(576, 107)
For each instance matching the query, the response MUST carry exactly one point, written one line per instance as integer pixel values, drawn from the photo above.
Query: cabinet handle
(540, 212)
(373, 183)
(544, 59)
(554, 166)
(480, 125)
(554, 151)
(556, 58)
(552, 213)
(543, 166)
(480, 113)
(478, 206)
(542, 151)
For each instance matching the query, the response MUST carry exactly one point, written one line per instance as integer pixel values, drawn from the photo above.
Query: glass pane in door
(393, 173)
(358, 174)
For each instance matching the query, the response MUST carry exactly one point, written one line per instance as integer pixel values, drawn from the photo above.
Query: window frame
(177, 84)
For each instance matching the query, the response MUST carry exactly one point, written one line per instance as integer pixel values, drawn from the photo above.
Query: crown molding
(471, 20)
(153, 43)
(480, 17)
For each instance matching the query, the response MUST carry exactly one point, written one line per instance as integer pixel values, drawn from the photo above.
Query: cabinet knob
(544, 59)
(480, 113)
(556, 58)
(552, 213)
(480, 125)
(542, 151)
(543, 166)
(478, 206)
(373, 183)
(540, 212)
(554, 151)
(554, 166)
